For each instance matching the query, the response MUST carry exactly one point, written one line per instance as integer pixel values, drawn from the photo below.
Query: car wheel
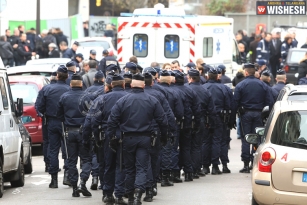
(1, 179)
(254, 201)
(29, 167)
(21, 175)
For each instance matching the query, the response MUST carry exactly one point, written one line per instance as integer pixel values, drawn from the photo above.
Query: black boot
(155, 190)
(94, 183)
(82, 188)
(109, 200)
(201, 173)
(130, 198)
(195, 175)
(215, 170)
(225, 169)
(54, 181)
(251, 166)
(188, 177)
(75, 192)
(206, 169)
(65, 178)
(120, 201)
(245, 168)
(148, 197)
(137, 197)
(165, 179)
(46, 167)
(176, 177)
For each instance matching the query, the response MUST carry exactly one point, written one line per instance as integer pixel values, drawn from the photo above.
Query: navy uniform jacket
(68, 111)
(225, 79)
(128, 88)
(135, 112)
(105, 62)
(219, 95)
(172, 98)
(168, 111)
(274, 93)
(100, 111)
(70, 73)
(202, 80)
(51, 96)
(40, 95)
(279, 86)
(302, 81)
(252, 94)
(69, 53)
(191, 104)
(96, 86)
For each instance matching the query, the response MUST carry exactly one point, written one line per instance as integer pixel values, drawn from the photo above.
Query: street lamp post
(38, 16)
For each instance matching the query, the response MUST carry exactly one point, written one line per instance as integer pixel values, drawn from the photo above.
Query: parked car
(279, 174)
(293, 92)
(11, 145)
(97, 43)
(48, 61)
(295, 55)
(27, 87)
(26, 142)
(44, 70)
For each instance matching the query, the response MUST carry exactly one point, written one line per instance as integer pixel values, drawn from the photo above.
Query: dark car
(295, 55)
(26, 142)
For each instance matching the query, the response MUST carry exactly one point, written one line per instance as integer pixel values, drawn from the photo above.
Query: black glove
(86, 145)
(113, 144)
(163, 140)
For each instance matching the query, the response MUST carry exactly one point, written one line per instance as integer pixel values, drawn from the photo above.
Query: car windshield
(103, 44)
(296, 56)
(290, 130)
(298, 97)
(47, 74)
(27, 91)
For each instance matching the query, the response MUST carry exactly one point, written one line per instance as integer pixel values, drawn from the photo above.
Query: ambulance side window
(171, 46)
(4, 94)
(140, 45)
(207, 47)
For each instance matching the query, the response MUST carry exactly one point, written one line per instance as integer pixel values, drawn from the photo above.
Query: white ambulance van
(11, 152)
(163, 35)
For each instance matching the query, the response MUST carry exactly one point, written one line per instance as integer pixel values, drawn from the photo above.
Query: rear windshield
(27, 91)
(297, 96)
(46, 74)
(103, 44)
(296, 56)
(290, 130)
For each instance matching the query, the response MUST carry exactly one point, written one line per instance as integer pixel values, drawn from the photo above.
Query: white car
(97, 43)
(49, 61)
(44, 70)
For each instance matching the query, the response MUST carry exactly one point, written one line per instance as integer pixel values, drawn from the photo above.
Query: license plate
(304, 177)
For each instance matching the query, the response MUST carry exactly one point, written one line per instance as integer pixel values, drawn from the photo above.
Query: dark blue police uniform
(279, 85)
(274, 92)
(127, 77)
(134, 113)
(70, 73)
(107, 60)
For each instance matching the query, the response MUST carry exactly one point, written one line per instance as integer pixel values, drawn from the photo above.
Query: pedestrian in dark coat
(53, 51)
(238, 78)
(24, 50)
(6, 51)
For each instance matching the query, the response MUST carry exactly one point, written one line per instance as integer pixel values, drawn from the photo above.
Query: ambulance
(164, 34)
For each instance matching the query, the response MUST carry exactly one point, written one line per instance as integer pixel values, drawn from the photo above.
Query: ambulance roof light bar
(133, 15)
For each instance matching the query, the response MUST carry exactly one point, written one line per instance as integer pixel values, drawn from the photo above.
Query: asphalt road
(225, 189)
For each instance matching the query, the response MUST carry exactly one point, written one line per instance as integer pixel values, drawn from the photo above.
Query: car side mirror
(19, 107)
(259, 131)
(252, 139)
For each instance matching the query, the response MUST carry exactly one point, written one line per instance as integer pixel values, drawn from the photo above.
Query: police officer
(263, 67)
(177, 107)
(71, 67)
(250, 97)
(190, 126)
(93, 56)
(132, 67)
(128, 79)
(53, 80)
(153, 72)
(208, 112)
(48, 106)
(224, 79)
(281, 80)
(71, 52)
(98, 83)
(73, 119)
(266, 78)
(134, 113)
(213, 142)
(153, 166)
(107, 60)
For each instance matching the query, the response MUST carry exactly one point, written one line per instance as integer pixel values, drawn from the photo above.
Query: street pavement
(225, 189)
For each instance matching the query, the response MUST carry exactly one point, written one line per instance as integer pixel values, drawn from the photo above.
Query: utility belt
(73, 129)
(136, 134)
(243, 110)
(225, 115)
(101, 137)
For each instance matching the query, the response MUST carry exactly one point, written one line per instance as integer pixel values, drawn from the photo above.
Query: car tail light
(286, 68)
(266, 160)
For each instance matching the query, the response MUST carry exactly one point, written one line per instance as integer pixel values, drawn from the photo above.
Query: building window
(207, 47)
(140, 45)
(171, 46)
(4, 95)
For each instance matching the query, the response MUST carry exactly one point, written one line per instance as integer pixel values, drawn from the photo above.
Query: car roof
(31, 68)
(298, 49)
(49, 61)
(285, 106)
(295, 88)
(102, 38)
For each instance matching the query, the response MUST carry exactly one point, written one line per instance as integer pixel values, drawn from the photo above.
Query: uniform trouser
(76, 149)
(165, 157)
(196, 147)
(185, 140)
(45, 142)
(212, 147)
(95, 166)
(238, 127)
(101, 162)
(175, 153)
(64, 155)
(114, 179)
(250, 120)
(55, 137)
(152, 172)
(136, 157)
(224, 145)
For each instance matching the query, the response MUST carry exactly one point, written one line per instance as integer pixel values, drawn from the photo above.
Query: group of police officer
(132, 130)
